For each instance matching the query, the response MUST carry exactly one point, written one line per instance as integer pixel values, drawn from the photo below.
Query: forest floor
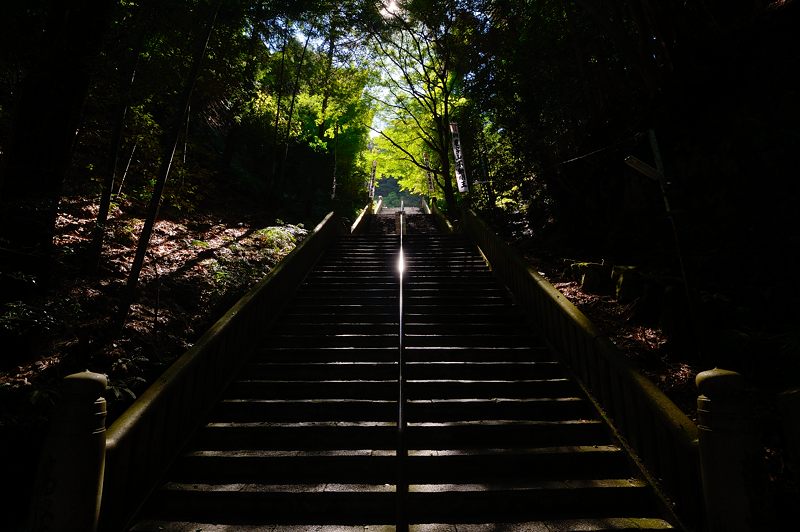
(673, 370)
(646, 347)
(197, 266)
(195, 269)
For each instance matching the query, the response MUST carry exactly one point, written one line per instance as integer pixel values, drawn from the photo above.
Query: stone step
(380, 466)
(499, 438)
(314, 389)
(478, 353)
(600, 524)
(414, 370)
(326, 354)
(315, 435)
(233, 409)
(498, 409)
(468, 340)
(426, 410)
(340, 340)
(346, 326)
(412, 354)
(322, 370)
(309, 435)
(421, 326)
(483, 388)
(505, 433)
(362, 388)
(344, 503)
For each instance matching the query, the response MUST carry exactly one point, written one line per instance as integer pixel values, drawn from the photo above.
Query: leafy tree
(417, 54)
(166, 163)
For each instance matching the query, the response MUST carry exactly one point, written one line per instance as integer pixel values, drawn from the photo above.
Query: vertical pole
(730, 466)
(402, 450)
(696, 329)
(69, 482)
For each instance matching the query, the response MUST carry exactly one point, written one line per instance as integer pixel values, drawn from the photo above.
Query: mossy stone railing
(362, 222)
(655, 429)
(149, 435)
(441, 220)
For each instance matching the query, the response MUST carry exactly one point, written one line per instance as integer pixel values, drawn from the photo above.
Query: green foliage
(44, 396)
(20, 318)
(263, 249)
(278, 238)
(398, 162)
(393, 193)
(126, 376)
(328, 121)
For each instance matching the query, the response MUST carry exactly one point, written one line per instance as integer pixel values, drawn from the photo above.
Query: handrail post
(729, 461)
(69, 482)
(402, 449)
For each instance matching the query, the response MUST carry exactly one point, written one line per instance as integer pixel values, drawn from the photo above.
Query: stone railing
(362, 221)
(656, 430)
(135, 451)
(441, 220)
(147, 436)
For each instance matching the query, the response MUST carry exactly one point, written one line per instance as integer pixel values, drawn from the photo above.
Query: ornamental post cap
(85, 384)
(719, 382)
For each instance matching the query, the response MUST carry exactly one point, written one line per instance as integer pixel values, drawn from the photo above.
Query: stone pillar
(70, 477)
(789, 410)
(730, 464)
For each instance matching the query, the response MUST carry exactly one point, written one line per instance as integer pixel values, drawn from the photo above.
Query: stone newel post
(729, 461)
(70, 477)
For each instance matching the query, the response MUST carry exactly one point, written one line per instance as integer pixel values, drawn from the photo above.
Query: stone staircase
(499, 437)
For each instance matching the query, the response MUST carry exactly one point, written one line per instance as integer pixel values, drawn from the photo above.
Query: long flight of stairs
(499, 437)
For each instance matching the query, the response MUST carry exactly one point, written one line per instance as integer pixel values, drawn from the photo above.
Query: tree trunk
(276, 135)
(327, 87)
(234, 136)
(163, 174)
(99, 232)
(295, 90)
(45, 125)
(444, 157)
(127, 167)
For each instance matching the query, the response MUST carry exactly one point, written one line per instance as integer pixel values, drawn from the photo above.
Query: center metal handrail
(402, 449)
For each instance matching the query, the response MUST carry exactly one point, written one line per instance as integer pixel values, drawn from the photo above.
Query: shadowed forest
(157, 158)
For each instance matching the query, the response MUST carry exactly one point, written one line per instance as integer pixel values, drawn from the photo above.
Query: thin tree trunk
(327, 90)
(295, 90)
(276, 135)
(234, 133)
(111, 172)
(186, 134)
(443, 126)
(166, 164)
(127, 167)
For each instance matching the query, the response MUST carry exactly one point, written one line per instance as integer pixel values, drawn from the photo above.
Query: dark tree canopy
(195, 111)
